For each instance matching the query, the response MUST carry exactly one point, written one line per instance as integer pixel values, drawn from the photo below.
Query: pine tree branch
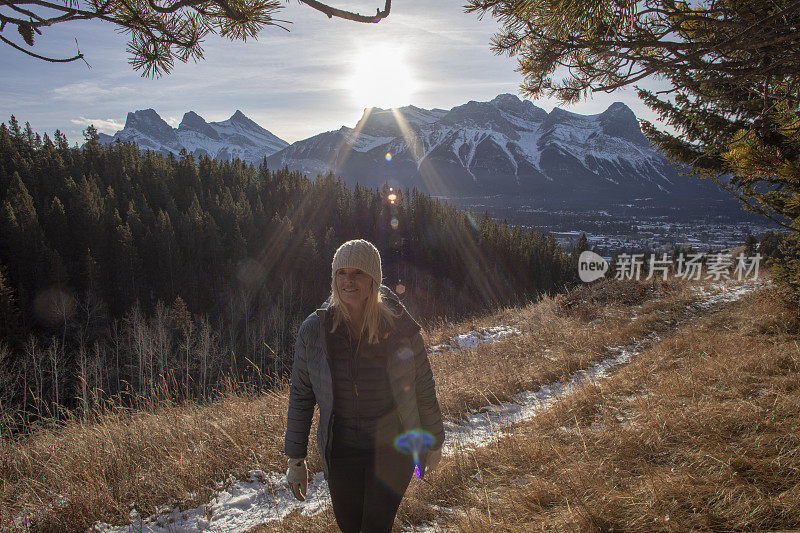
(349, 15)
(69, 14)
(43, 58)
(25, 12)
(173, 7)
(752, 207)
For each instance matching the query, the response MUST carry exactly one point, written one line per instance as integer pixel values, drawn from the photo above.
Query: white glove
(432, 460)
(297, 477)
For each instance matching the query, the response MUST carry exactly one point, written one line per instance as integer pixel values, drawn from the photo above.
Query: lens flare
(472, 222)
(400, 289)
(405, 354)
(392, 198)
(54, 305)
(388, 157)
(414, 443)
(395, 223)
(250, 272)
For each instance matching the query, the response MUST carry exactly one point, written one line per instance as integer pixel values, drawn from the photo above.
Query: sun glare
(382, 77)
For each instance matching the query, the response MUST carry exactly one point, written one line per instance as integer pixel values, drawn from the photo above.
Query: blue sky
(296, 84)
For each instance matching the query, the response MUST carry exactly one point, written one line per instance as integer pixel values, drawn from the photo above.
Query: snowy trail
(265, 497)
(493, 421)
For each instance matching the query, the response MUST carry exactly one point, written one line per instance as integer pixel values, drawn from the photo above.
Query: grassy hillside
(698, 428)
(699, 432)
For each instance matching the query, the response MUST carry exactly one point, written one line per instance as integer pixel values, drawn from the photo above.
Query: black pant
(367, 486)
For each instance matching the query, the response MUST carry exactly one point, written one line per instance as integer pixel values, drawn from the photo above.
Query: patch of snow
(470, 139)
(361, 142)
(521, 123)
(529, 145)
(718, 293)
(241, 506)
(473, 338)
(257, 137)
(576, 131)
(418, 117)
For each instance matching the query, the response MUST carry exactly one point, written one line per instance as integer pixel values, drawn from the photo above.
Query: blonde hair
(377, 314)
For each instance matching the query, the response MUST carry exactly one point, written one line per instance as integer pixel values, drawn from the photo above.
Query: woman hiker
(361, 358)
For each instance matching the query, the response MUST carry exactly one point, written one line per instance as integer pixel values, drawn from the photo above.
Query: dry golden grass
(701, 432)
(295, 522)
(559, 336)
(68, 478)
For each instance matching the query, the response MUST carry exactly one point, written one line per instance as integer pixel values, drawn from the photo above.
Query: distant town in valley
(634, 226)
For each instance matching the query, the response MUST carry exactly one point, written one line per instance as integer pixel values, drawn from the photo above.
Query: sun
(381, 77)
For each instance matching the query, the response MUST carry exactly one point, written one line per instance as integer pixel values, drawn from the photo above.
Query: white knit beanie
(359, 254)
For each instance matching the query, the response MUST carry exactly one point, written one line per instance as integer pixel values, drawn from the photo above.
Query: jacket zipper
(354, 356)
(326, 350)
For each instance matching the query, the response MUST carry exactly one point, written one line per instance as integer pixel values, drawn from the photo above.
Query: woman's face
(355, 287)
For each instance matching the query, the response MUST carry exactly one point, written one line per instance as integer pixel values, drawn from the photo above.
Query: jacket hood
(404, 323)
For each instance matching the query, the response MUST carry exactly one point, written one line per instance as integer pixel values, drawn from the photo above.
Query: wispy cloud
(106, 125)
(295, 84)
(89, 90)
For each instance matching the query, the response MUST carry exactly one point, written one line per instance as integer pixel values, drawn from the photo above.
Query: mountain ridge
(237, 137)
(505, 145)
(502, 146)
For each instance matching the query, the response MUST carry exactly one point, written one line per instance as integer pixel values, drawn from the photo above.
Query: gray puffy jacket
(409, 373)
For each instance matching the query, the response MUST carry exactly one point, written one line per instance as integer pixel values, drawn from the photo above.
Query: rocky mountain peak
(238, 116)
(242, 120)
(619, 121)
(507, 99)
(238, 137)
(378, 122)
(190, 118)
(560, 116)
(150, 123)
(194, 122)
(241, 123)
(523, 109)
(483, 115)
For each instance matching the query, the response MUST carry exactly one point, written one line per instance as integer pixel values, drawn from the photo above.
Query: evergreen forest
(132, 274)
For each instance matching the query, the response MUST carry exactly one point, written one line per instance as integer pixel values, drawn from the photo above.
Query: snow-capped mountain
(237, 137)
(504, 146)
